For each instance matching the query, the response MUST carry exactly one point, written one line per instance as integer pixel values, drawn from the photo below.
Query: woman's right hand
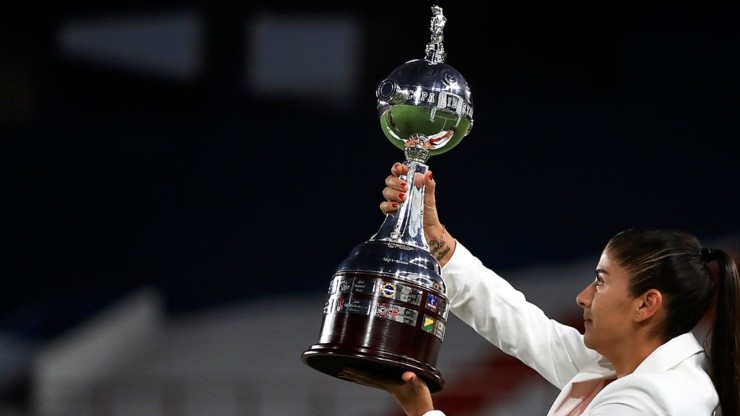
(441, 244)
(410, 391)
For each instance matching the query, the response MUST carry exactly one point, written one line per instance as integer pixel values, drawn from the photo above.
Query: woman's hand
(410, 391)
(441, 244)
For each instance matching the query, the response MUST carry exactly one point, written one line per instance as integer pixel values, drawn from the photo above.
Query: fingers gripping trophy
(386, 310)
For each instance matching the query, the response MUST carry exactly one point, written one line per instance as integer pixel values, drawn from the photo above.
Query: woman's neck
(626, 358)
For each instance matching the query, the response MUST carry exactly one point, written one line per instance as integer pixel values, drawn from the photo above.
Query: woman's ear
(648, 304)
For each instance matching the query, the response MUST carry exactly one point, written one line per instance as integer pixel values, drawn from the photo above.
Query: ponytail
(725, 333)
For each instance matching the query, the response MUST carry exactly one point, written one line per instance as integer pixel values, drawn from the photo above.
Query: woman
(637, 355)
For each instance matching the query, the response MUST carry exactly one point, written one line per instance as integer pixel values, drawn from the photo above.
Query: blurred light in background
(164, 44)
(304, 57)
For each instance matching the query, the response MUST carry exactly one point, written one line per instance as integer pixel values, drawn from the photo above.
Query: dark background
(590, 117)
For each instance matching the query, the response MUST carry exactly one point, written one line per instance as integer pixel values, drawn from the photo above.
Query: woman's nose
(584, 298)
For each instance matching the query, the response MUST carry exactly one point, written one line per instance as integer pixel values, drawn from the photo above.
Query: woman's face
(608, 308)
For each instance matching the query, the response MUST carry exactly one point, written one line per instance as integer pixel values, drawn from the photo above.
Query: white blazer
(673, 380)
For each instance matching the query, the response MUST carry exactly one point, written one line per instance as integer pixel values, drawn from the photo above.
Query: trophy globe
(386, 310)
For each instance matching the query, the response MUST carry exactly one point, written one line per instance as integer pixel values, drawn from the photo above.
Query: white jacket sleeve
(502, 315)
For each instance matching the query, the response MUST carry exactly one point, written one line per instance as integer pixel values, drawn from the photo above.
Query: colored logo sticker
(432, 302)
(387, 311)
(388, 290)
(428, 324)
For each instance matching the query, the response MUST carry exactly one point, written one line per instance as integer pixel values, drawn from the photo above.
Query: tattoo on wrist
(438, 247)
(440, 250)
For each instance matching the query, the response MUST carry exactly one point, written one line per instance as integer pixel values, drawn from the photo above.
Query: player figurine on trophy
(386, 309)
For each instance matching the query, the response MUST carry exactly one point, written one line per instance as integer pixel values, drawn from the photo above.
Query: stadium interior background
(230, 151)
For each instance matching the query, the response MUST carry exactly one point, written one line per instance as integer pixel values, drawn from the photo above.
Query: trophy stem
(406, 226)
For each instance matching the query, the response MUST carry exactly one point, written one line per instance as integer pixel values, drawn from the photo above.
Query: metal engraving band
(388, 289)
(425, 97)
(347, 296)
(363, 285)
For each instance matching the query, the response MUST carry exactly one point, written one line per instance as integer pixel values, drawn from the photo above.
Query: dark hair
(675, 263)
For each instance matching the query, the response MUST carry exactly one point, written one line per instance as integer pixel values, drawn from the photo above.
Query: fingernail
(403, 184)
(431, 176)
(394, 205)
(402, 196)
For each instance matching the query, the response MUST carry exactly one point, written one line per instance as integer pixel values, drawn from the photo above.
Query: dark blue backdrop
(590, 117)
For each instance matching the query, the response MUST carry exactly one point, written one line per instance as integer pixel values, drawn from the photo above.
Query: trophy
(386, 310)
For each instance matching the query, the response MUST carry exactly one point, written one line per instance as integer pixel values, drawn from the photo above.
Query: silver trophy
(386, 309)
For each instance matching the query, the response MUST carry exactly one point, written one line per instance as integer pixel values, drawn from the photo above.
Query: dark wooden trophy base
(386, 321)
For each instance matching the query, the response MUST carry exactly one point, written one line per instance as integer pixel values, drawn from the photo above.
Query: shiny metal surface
(398, 261)
(426, 99)
(386, 310)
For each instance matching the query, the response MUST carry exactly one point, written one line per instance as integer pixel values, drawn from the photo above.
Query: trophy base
(385, 313)
(332, 360)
